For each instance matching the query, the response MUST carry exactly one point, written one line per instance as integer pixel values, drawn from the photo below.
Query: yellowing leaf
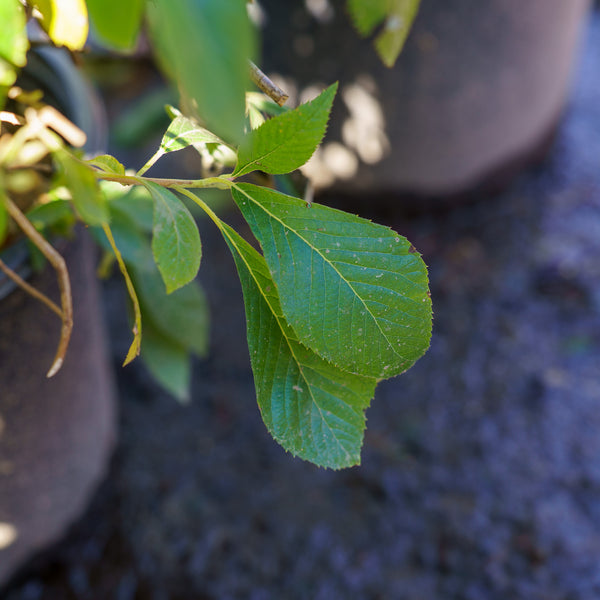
(65, 21)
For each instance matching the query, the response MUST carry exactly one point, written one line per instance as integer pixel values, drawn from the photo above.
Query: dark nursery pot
(56, 435)
(475, 94)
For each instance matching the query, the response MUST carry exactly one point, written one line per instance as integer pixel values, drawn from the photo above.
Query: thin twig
(64, 284)
(30, 289)
(262, 82)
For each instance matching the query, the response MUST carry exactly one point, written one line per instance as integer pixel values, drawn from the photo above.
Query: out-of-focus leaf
(192, 42)
(65, 21)
(182, 315)
(13, 44)
(167, 361)
(87, 198)
(116, 22)
(397, 17)
(108, 164)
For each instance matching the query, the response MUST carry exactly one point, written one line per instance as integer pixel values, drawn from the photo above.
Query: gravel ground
(481, 465)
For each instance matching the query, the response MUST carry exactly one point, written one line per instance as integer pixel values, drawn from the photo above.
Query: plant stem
(265, 85)
(18, 280)
(201, 204)
(153, 159)
(134, 349)
(222, 182)
(64, 283)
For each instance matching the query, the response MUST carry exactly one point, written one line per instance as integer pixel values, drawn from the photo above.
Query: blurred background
(481, 465)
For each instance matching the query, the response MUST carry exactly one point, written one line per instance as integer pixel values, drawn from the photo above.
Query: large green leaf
(205, 45)
(116, 22)
(397, 17)
(285, 142)
(355, 292)
(87, 197)
(13, 43)
(175, 241)
(312, 408)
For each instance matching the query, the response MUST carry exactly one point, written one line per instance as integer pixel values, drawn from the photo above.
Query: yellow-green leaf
(65, 21)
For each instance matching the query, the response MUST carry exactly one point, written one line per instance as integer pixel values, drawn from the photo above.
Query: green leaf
(87, 198)
(183, 132)
(355, 292)
(51, 213)
(167, 361)
(367, 15)
(313, 409)
(65, 21)
(116, 22)
(175, 241)
(13, 43)
(284, 143)
(397, 17)
(205, 45)
(134, 201)
(182, 316)
(108, 164)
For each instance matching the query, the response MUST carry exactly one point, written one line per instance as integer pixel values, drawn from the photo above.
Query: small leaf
(175, 242)
(116, 22)
(13, 43)
(182, 316)
(284, 143)
(397, 17)
(87, 198)
(191, 39)
(65, 21)
(355, 292)
(313, 409)
(183, 132)
(167, 361)
(108, 164)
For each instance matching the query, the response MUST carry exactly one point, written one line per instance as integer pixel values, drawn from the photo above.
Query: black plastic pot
(56, 435)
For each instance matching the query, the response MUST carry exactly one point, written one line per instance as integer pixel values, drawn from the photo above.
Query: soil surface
(481, 465)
